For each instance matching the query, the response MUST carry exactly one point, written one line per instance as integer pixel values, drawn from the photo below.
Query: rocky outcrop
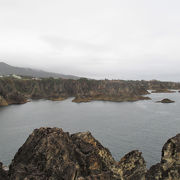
(169, 167)
(160, 85)
(17, 91)
(3, 102)
(166, 101)
(16, 98)
(133, 166)
(13, 98)
(52, 154)
(163, 91)
(110, 98)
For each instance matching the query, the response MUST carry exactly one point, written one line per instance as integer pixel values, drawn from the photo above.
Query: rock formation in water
(52, 154)
(166, 100)
(18, 91)
(3, 102)
(160, 85)
(163, 91)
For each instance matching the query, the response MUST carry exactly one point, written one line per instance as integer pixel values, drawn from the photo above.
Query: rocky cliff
(52, 154)
(160, 86)
(169, 167)
(18, 91)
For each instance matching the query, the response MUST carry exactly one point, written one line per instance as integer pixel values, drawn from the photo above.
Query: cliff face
(160, 86)
(52, 154)
(15, 91)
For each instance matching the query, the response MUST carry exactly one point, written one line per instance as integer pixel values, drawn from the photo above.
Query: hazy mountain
(6, 69)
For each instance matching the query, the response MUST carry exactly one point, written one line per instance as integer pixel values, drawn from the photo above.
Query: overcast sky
(124, 39)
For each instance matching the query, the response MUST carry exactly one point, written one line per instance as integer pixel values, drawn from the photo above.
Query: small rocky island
(52, 154)
(166, 100)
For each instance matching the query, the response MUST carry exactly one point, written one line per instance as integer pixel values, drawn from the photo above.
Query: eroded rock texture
(52, 154)
(17, 91)
(133, 166)
(169, 167)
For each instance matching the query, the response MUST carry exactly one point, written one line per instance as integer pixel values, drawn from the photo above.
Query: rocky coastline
(52, 154)
(163, 91)
(110, 98)
(19, 91)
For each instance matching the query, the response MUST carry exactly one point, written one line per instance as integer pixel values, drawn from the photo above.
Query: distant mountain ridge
(6, 69)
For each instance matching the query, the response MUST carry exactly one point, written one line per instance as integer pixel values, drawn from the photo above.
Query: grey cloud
(60, 43)
(105, 38)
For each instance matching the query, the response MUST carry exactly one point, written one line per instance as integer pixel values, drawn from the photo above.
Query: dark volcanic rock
(52, 154)
(169, 167)
(166, 101)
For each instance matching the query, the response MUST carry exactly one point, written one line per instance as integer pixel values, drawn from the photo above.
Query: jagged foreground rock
(169, 167)
(52, 154)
